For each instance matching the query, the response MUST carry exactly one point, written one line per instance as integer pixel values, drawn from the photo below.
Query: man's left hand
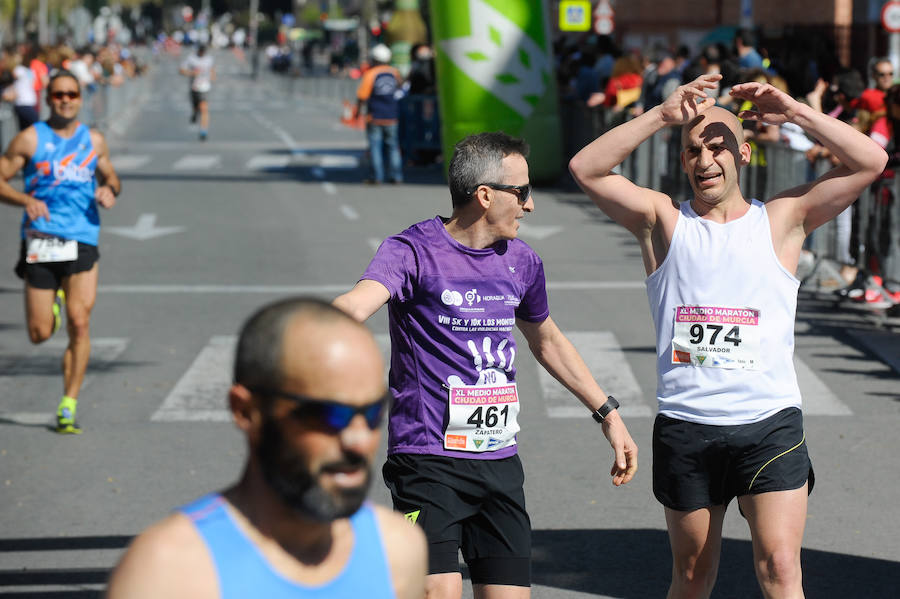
(105, 196)
(626, 449)
(771, 104)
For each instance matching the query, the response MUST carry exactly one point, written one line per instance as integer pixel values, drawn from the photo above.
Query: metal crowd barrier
(875, 237)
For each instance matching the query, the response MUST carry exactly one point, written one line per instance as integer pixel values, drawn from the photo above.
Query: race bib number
(717, 337)
(482, 418)
(40, 249)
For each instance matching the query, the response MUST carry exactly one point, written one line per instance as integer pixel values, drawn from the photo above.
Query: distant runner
(62, 159)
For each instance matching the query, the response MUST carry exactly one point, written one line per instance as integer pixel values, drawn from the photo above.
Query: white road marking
(197, 162)
(266, 162)
(129, 162)
(604, 357)
(374, 243)
(338, 161)
(201, 393)
(144, 228)
(329, 187)
(349, 212)
(538, 231)
(10, 285)
(43, 361)
(817, 397)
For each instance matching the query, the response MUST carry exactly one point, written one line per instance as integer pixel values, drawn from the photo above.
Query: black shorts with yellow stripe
(701, 465)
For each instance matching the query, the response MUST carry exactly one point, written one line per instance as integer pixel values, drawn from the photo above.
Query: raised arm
(638, 209)
(557, 354)
(798, 211)
(363, 300)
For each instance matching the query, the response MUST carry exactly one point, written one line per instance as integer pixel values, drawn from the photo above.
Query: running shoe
(65, 417)
(58, 302)
(203, 136)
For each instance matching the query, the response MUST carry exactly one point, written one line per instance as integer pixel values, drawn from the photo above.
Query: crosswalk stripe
(196, 162)
(43, 361)
(265, 162)
(129, 162)
(817, 397)
(200, 394)
(606, 361)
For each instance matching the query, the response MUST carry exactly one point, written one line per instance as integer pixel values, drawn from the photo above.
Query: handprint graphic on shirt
(491, 365)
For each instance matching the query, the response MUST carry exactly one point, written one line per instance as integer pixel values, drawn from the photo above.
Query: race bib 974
(717, 337)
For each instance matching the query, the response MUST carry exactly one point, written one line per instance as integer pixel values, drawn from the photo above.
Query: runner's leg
(39, 312)
(203, 107)
(81, 292)
(696, 541)
(777, 520)
(447, 585)
(501, 591)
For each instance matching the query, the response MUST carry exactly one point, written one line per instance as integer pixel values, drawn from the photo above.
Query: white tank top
(724, 307)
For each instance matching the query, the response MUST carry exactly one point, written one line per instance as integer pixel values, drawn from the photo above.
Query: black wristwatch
(603, 411)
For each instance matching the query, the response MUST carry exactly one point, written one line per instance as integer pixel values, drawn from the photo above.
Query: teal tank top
(243, 572)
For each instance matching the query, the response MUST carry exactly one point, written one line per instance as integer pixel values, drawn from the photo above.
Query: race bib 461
(482, 417)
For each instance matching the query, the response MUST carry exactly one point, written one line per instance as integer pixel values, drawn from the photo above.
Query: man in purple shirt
(454, 288)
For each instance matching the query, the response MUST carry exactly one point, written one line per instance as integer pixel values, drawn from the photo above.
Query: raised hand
(771, 104)
(689, 100)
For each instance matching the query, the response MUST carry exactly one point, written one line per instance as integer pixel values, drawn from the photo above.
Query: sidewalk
(872, 330)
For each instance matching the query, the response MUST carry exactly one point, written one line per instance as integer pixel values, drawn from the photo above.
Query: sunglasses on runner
(328, 414)
(64, 94)
(522, 192)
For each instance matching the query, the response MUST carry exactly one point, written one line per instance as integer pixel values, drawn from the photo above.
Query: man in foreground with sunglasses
(62, 159)
(309, 395)
(454, 288)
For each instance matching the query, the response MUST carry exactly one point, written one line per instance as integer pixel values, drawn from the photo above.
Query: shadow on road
(629, 564)
(635, 564)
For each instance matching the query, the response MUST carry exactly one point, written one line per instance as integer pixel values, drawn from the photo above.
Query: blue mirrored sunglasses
(328, 414)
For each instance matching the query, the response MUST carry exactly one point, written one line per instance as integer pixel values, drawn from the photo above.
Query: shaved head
(710, 117)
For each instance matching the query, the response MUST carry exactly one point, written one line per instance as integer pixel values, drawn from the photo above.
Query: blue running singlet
(244, 572)
(62, 174)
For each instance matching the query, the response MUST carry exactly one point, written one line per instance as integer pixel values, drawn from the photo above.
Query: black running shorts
(474, 505)
(49, 275)
(700, 465)
(197, 97)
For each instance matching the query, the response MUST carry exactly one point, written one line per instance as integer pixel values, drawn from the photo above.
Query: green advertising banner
(495, 73)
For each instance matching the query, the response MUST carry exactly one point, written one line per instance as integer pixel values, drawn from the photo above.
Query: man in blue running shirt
(62, 161)
(309, 394)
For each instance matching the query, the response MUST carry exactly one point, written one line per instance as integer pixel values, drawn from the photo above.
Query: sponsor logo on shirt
(71, 172)
(457, 442)
(493, 442)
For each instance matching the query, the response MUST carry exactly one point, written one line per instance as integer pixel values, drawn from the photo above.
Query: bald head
(713, 122)
(304, 341)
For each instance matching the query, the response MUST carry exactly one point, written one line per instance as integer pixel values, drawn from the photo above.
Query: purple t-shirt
(452, 312)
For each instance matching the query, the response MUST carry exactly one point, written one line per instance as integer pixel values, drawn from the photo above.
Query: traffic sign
(604, 18)
(890, 16)
(574, 15)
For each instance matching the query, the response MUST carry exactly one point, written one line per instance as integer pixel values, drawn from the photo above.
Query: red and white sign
(890, 16)
(604, 18)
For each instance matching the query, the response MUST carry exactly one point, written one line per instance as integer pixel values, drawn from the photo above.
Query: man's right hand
(36, 209)
(689, 100)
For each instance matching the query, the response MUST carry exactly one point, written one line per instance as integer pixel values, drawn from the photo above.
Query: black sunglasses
(523, 192)
(328, 414)
(64, 94)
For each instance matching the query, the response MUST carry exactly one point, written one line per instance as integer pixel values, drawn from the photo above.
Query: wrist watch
(603, 411)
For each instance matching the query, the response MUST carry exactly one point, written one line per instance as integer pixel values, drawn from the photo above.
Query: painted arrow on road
(538, 231)
(145, 228)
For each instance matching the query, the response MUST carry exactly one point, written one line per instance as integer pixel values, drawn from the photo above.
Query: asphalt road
(273, 205)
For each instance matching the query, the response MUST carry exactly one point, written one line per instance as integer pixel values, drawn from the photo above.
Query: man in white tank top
(723, 292)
